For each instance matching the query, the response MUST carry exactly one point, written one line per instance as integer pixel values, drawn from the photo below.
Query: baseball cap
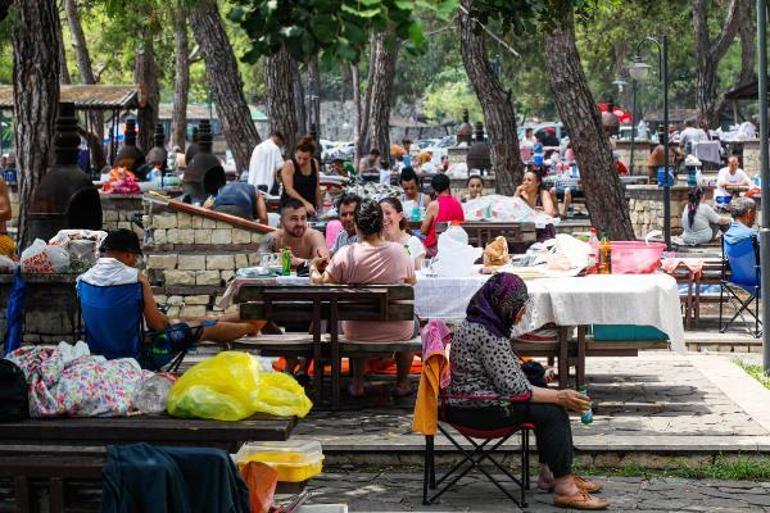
(121, 240)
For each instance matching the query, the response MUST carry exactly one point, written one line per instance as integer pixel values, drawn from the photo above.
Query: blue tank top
(239, 196)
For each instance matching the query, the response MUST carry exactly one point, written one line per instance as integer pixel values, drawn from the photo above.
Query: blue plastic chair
(113, 319)
(741, 271)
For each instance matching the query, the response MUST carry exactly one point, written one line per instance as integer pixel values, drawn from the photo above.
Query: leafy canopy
(338, 30)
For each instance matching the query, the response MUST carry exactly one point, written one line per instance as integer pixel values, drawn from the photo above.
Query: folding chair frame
(473, 460)
(735, 301)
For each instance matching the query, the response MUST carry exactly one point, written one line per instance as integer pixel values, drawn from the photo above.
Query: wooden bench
(480, 233)
(153, 429)
(312, 304)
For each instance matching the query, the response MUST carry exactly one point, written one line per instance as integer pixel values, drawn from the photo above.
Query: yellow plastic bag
(231, 387)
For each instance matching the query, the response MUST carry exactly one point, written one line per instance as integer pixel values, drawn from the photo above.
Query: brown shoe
(581, 500)
(588, 486)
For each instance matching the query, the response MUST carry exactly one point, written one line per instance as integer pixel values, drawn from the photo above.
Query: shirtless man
(7, 245)
(305, 243)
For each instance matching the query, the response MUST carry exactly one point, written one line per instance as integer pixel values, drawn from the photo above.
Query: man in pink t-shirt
(371, 261)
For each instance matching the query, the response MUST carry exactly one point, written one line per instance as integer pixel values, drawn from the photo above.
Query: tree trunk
(36, 96)
(64, 72)
(748, 33)
(225, 81)
(380, 92)
(496, 102)
(299, 99)
(146, 75)
(181, 79)
(578, 111)
(362, 142)
(85, 69)
(356, 83)
(314, 93)
(281, 108)
(708, 53)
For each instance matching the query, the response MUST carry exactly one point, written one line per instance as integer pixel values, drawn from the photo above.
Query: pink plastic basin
(634, 257)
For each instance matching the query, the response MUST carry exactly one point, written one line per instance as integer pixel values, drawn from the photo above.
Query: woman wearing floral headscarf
(489, 390)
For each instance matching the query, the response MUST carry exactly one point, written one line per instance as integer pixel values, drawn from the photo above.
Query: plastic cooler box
(294, 461)
(614, 332)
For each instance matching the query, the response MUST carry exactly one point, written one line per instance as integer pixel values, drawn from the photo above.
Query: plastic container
(615, 332)
(294, 461)
(635, 257)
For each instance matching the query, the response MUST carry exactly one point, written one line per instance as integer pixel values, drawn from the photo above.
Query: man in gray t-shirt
(346, 207)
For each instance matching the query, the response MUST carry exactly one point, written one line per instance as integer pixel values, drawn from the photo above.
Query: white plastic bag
(7, 265)
(59, 257)
(35, 260)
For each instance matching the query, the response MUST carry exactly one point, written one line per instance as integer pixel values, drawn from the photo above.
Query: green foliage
(755, 371)
(338, 30)
(447, 100)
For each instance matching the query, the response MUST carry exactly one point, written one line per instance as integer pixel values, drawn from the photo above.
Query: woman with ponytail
(300, 176)
(700, 222)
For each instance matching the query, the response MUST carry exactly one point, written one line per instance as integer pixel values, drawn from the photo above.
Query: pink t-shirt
(362, 263)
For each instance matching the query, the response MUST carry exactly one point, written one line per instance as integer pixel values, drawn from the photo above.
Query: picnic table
(311, 305)
(567, 302)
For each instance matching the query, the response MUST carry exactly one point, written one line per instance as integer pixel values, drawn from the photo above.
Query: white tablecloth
(642, 300)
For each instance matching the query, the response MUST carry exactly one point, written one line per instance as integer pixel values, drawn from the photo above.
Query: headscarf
(496, 304)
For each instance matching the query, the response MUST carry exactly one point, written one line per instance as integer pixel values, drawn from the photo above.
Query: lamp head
(639, 70)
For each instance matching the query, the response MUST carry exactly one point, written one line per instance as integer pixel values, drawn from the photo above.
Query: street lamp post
(633, 128)
(639, 71)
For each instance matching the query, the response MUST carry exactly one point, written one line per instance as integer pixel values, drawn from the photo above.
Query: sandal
(587, 485)
(581, 500)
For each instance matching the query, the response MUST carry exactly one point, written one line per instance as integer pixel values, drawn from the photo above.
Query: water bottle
(587, 416)
(416, 214)
(152, 394)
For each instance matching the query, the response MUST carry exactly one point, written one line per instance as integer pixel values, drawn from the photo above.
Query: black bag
(14, 398)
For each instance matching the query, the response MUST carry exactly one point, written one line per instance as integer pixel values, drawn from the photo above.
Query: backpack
(14, 401)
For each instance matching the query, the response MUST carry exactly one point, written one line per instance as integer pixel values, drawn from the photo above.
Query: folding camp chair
(741, 272)
(114, 327)
(488, 442)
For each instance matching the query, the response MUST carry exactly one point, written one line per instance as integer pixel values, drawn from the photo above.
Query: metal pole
(666, 183)
(633, 123)
(764, 232)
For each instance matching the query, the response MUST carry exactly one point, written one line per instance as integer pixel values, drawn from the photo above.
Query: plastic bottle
(587, 416)
(286, 262)
(593, 241)
(605, 256)
(152, 394)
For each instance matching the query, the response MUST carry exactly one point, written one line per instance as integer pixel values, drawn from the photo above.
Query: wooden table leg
(336, 360)
(580, 367)
(318, 367)
(23, 495)
(56, 491)
(563, 358)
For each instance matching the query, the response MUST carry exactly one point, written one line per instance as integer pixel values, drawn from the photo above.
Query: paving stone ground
(394, 492)
(657, 401)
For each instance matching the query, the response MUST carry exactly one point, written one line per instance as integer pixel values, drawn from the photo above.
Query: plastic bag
(34, 259)
(59, 258)
(7, 265)
(230, 387)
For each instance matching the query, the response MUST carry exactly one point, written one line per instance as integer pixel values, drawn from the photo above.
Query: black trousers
(552, 428)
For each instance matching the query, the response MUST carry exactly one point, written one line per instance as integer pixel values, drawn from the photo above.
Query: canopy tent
(90, 97)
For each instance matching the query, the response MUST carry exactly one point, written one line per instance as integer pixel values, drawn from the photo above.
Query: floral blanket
(66, 380)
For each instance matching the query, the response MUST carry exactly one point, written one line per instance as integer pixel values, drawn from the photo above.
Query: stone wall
(642, 150)
(118, 211)
(50, 312)
(751, 158)
(645, 204)
(190, 258)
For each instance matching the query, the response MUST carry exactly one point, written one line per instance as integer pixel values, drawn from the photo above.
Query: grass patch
(722, 468)
(755, 371)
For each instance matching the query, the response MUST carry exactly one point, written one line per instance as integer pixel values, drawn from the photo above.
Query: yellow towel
(426, 407)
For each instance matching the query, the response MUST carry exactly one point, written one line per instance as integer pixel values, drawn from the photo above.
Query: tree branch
(730, 29)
